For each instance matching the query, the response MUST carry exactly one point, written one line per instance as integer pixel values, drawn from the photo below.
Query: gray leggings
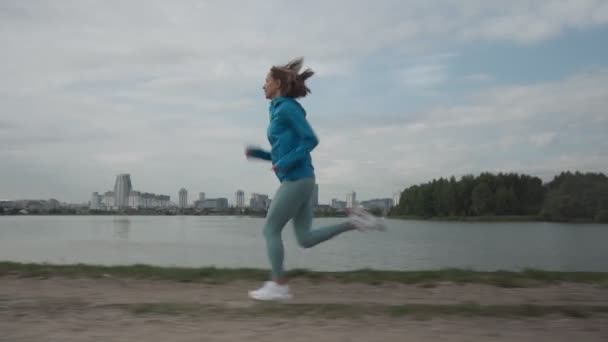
(293, 200)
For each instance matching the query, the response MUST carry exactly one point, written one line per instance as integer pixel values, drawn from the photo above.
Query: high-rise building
(201, 196)
(396, 198)
(315, 195)
(351, 200)
(240, 199)
(108, 201)
(384, 204)
(122, 189)
(147, 200)
(136, 200)
(337, 204)
(54, 204)
(183, 198)
(213, 203)
(259, 202)
(124, 196)
(95, 201)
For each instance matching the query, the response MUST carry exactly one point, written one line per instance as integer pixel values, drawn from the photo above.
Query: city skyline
(414, 91)
(124, 196)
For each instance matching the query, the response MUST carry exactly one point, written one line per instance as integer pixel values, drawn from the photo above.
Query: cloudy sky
(171, 92)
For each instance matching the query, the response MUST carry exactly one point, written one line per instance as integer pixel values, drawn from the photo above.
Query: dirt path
(113, 309)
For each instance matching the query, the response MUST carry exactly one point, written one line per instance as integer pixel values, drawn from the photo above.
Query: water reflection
(122, 228)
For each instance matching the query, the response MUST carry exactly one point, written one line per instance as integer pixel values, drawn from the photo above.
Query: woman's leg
(302, 223)
(288, 199)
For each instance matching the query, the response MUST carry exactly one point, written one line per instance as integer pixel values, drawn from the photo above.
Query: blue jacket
(291, 139)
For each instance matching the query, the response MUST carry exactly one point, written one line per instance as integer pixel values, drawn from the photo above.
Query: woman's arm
(257, 153)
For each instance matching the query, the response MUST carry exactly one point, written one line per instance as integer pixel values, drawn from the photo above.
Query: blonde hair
(293, 83)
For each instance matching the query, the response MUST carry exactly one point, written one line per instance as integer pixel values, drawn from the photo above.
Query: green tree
(601, 216)
(506, 201)
(428, 202)
(376, 211)
(464, 192)
(482, 199)
(444, 198)
(531, 195)
(576, 196)
(555, 206)
(568, 196)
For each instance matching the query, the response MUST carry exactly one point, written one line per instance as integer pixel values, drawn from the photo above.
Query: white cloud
(424, 76)
(543, 139)
(532, 21)
(479, 77)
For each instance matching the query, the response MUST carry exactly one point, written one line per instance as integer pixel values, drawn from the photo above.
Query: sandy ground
(62, 309)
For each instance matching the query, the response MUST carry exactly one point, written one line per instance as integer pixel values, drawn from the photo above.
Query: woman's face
(272, 87)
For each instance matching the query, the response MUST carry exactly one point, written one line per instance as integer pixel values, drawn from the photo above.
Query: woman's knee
(271, 232)
(304, 241)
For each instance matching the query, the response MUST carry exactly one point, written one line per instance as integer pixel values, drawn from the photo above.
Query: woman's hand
(255, 152)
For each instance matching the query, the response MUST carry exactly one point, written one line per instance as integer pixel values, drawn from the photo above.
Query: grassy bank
(529, 218)
(495, 218)
(526, 278)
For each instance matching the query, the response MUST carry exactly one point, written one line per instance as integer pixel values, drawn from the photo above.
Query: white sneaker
(363, 220)
(271, 291)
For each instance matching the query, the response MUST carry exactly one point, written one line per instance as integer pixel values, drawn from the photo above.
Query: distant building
(240, 199)
(384, 204)
(20, 204)
(183, 198)
(35, 205)
(212, 203)
(135, 199)
(78, 206)
(396, 198)
(148, 200)
(122, 189)
(351, 200)
(323, 209)
(32, 205)
(108, 200)
(52, 204)
(159, 201)
(96, 199)
(8, 204)
(259, 202)
(338, 205)
(124, 196)
(201, 196)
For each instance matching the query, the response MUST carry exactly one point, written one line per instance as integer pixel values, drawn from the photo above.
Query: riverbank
(507, 279)
(528, 218)
(497, 218)
(90, 303)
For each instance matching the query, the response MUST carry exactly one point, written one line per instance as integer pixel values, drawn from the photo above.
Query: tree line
(568, 197)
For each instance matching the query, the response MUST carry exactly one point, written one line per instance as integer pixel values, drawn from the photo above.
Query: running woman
(292, 139)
